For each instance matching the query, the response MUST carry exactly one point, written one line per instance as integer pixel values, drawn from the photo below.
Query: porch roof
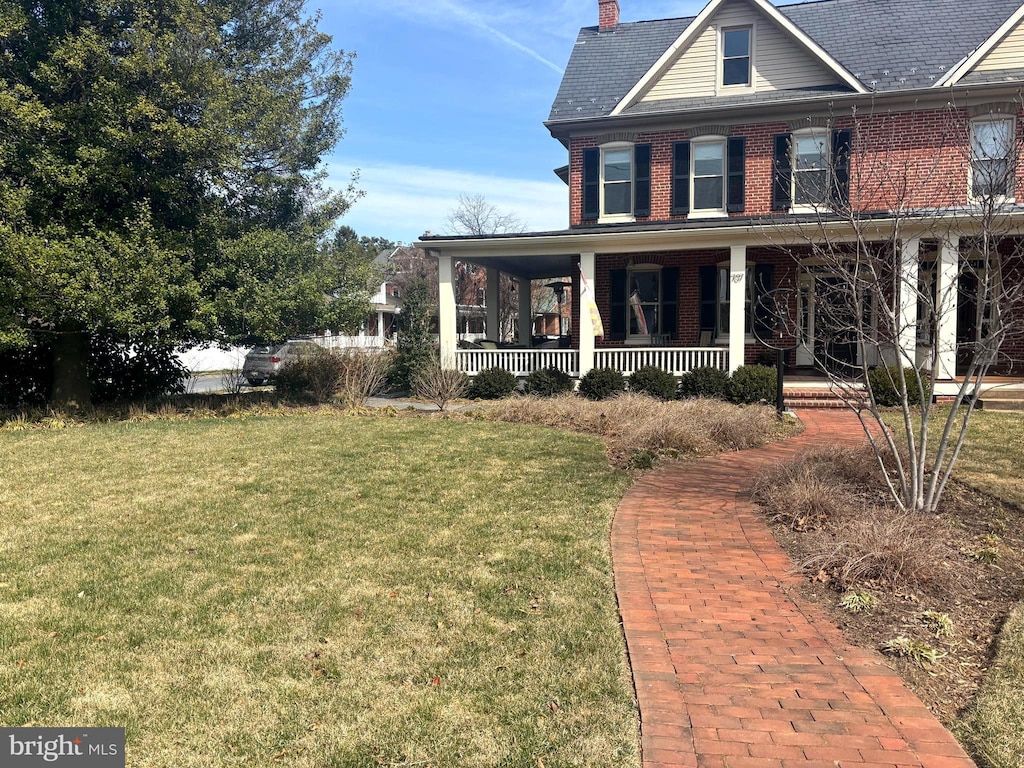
(538, 255)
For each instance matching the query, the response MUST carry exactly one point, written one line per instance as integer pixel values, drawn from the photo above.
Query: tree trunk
(70, 375)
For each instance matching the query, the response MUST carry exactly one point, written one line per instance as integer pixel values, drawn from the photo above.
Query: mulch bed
(982, 578)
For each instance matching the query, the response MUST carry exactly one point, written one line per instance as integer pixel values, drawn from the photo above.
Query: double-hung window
(708, 177)
(810, 168)
(616, 182)
(644, 302)
(737, 44)
(992, 171)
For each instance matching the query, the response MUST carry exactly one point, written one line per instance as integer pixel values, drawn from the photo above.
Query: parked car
(261, 363)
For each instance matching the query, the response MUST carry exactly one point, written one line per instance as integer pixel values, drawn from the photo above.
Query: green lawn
(993, 460)
(316, 591)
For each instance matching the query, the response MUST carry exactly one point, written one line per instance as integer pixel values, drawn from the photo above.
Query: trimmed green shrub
(548, 382)
(653, 381)
(706, 381)
(752, 384)
(885, 385)
(602, 383)
(491, 384)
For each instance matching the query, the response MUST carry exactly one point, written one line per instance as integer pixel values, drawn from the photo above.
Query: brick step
(1002, 400)
(811, 398)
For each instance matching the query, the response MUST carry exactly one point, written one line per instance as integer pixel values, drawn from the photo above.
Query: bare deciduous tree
(474, 215)
(906, 278)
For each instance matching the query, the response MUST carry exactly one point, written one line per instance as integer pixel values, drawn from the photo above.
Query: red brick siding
(930, 148)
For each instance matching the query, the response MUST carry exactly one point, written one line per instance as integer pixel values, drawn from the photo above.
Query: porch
(684, 296)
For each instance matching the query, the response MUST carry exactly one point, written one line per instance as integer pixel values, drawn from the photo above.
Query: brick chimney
(607, 14)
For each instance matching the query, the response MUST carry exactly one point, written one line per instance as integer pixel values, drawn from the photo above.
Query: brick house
(713, 160)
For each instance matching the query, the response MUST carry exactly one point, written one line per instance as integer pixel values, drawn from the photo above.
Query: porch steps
(1002, 400)
(808, 397)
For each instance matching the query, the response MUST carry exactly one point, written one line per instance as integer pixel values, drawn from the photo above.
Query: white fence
(677, 360)
(519, 362)
(338, 341)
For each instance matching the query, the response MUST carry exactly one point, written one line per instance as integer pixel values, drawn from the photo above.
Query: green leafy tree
(355, 275)
(158, 173)
(415, 348)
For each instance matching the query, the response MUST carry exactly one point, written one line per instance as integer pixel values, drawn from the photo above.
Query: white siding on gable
(693, 73)
(1007, 54)
(780, 63)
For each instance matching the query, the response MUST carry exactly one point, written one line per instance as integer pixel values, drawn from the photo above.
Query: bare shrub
(631, 423)
(364, 373)
(887, 546)
(232, 381)
(819, 485)
(439, 385)
(800, 498)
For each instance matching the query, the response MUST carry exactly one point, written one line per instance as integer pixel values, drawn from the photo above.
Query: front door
(828, 324)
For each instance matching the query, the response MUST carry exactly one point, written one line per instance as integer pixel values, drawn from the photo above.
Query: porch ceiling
(532, 266)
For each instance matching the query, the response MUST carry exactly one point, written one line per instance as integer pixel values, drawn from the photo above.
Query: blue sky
(449, 97)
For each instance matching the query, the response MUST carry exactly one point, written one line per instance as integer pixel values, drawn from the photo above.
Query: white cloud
(404, 201)
(483, 19)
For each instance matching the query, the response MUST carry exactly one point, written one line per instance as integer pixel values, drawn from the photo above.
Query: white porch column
(909, 284)
(523, 285)
(737, 305)
(493, 295)
(947, 299)
(380, 325)
(446, 310)
(588, 268)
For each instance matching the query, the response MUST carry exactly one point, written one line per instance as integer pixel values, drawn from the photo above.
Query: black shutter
(782, 177)
(764, 322)
(591, 183)
(618, 318)
(642, 181)
(707, 284)
(670, 301)
(680, 178)
(736, 189)
(840, 192)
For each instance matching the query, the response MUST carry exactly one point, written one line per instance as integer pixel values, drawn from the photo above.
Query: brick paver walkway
(729, 671)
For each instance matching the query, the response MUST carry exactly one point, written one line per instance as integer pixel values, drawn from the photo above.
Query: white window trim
(804, 133)
(709, 213)
(721, 337)
(727, 90)
(661, 298)
(994, 118)
(620, 218)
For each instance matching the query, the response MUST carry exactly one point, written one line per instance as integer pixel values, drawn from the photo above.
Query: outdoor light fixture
(559, 288)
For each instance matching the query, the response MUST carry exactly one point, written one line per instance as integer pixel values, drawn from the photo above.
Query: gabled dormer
(738, 48)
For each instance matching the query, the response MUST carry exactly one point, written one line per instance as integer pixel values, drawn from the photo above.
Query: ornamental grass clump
(632, 423)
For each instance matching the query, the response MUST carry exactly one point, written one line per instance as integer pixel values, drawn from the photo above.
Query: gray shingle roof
(889, 45)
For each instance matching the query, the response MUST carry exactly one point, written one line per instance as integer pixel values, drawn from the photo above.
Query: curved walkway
(729, 671)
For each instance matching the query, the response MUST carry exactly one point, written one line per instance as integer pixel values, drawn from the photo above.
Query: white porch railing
(339, 341)
(676, 360)
(519, 362)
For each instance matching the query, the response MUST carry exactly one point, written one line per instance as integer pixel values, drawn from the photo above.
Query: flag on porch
(591, 304)
(638, 313)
